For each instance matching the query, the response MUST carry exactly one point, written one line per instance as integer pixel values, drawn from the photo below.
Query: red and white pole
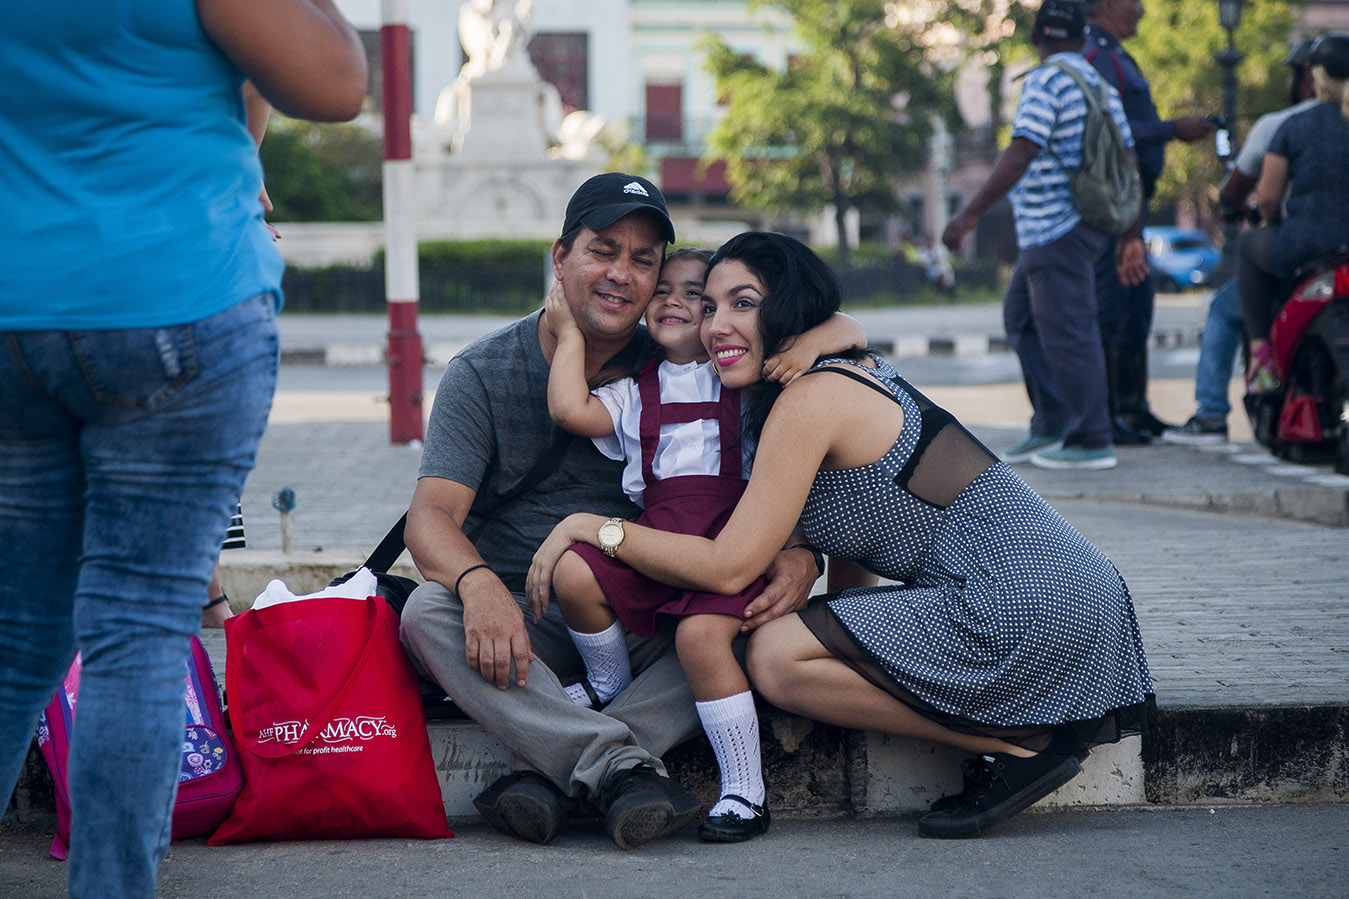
(400, 232)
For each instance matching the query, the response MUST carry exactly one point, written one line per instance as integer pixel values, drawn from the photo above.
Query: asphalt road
(1231, 852)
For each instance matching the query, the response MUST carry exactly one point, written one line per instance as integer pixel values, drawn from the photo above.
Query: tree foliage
(849, 115)
(322, 173)
(1175, 45)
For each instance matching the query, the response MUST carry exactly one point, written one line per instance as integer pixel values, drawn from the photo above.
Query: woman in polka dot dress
(1007, 634)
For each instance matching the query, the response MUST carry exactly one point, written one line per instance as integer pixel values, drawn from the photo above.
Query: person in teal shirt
(138, 357)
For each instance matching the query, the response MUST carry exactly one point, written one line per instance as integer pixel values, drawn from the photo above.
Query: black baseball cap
(1331, 52)
(1060, 20)
(1300, 56)
(604, 199)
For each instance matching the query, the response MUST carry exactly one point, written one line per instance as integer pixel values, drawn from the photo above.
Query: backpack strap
(1094, 98)
(1114, 57)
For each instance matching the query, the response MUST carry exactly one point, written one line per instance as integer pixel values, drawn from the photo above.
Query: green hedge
(510, 277)
(498, 276)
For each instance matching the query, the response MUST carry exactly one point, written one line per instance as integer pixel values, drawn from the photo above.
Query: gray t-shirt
(1252, 156)
(489, 426)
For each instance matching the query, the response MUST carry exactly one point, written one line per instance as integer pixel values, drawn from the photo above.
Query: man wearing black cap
(1050, 307)
(1126, 310)
(496, 468)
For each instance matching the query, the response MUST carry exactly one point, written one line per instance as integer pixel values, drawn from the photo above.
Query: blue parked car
(1180, 257)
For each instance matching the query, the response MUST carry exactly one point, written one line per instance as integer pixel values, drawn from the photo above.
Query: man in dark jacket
(1126, 312)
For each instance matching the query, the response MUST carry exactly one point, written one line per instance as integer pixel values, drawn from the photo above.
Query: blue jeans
(1217, 352)
(122, 455)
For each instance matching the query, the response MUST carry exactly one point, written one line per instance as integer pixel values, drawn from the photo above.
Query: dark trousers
(1125, 312)
(1259, 285)
(1051, 318)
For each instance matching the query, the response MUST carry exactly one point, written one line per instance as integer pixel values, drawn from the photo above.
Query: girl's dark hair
(800, 292)
(702, 255)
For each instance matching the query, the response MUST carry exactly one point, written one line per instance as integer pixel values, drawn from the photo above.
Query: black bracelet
(819, 556)
(466, 571)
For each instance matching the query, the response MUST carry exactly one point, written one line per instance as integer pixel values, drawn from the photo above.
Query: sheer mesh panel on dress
(947, 457)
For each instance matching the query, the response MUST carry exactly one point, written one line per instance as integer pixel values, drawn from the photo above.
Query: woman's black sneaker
(997, 786)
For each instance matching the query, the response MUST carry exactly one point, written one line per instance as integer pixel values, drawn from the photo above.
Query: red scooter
(1307, 418)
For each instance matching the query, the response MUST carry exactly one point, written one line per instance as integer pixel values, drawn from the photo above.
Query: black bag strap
(383, 556)
(389, 549)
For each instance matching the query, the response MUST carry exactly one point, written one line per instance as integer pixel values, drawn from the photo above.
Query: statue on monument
(492, 34)
(499, 98)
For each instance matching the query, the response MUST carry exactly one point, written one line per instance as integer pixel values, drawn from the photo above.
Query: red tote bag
(329, 726)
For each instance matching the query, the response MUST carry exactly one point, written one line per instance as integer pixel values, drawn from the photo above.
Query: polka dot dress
(1005, 614)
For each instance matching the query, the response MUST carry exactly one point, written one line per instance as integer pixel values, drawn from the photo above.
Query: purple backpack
(208, 781)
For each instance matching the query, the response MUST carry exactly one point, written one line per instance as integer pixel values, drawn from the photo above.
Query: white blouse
(686, 448)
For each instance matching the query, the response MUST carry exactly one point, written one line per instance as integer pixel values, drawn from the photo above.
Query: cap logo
(632, 187)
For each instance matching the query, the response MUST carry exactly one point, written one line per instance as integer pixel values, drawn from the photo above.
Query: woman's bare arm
(819, 421)
(303, 56)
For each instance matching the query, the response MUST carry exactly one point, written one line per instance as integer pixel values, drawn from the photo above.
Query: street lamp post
(1229, 16)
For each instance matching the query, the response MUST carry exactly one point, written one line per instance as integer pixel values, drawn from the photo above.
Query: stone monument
(500, 159)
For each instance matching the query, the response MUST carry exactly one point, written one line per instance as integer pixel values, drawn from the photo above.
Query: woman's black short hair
(801, 290)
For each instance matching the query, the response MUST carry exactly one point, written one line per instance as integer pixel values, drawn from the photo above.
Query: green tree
(1174, 47)
(991, 33)
(322, 173)
(847, 118)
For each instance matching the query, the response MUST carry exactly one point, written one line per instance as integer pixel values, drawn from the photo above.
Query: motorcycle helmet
(1331, 52)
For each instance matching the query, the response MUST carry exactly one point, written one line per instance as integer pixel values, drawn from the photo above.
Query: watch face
(611, 533)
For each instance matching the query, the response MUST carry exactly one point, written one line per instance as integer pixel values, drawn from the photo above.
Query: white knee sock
(733, 729)
(606, 658)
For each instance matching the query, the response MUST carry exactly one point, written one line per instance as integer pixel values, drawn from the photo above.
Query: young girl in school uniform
(680, 432)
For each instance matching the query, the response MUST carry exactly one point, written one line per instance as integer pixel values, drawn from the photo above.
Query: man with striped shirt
(1050, 308)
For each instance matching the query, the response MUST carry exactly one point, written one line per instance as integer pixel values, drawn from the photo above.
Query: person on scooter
(1307, 159)
(1223, 325)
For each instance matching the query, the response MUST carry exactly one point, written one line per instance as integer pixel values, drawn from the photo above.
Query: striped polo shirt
(1051, 113)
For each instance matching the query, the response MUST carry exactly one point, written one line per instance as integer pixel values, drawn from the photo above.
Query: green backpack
(1107, 189)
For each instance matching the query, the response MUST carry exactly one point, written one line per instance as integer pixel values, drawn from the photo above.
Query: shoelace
(980, 773)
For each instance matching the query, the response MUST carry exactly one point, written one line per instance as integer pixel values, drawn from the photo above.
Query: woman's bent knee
(769, 658)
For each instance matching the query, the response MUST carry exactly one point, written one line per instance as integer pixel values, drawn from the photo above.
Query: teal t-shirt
(129, 184)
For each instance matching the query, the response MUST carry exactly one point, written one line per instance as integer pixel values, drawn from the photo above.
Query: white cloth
(691, 448)
(359, 586)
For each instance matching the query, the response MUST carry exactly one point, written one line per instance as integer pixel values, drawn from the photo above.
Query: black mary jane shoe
(729, 828)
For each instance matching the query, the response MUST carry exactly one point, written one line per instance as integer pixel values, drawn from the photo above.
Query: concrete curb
(813, 770)
(1325, 506)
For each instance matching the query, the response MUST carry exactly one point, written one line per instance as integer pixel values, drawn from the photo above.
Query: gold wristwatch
(611, 534)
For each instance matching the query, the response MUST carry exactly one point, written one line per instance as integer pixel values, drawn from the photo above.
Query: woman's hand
(539, 582)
